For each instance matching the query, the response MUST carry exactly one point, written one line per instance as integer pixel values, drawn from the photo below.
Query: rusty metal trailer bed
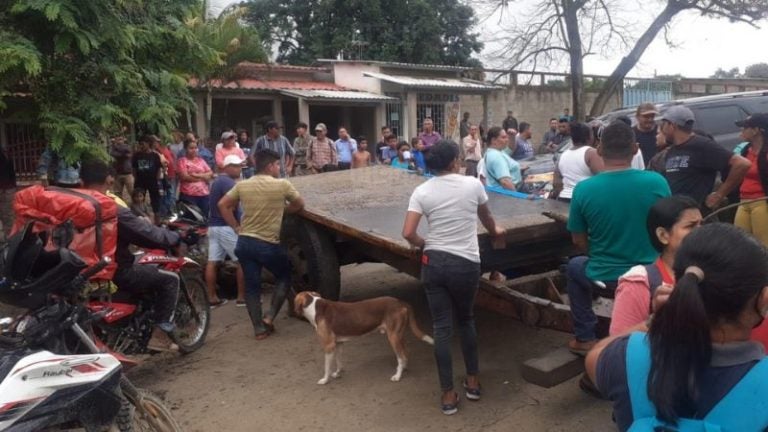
(357, 215)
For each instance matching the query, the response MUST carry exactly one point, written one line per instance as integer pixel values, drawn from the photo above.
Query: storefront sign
(437, 98)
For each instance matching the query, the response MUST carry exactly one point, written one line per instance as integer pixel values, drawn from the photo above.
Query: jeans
(753, 218)
(471, 167)
(202, 202)
(168, 205)
(450, 283)
(255, 254)
(148, 282)
(580, 289)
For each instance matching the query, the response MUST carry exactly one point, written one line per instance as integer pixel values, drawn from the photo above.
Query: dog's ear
(298, 303)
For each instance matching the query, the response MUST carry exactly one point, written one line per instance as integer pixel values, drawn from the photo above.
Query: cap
(154, 138)
(233, 160)
(227, 135)
(679, 115)
(647, 108)
(759, 120)
(321, 127)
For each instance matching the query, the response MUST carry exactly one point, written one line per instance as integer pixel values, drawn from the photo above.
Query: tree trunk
(570, 11)
(611, 86)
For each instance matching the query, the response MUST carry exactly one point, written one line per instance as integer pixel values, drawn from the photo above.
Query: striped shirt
(263, 198)
(281, 145)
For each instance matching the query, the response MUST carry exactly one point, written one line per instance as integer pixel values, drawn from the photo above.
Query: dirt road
(235, 383)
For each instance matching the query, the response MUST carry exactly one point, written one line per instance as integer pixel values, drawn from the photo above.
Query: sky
(702, 45)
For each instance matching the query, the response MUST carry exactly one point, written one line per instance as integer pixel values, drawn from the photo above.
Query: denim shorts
(221, 243)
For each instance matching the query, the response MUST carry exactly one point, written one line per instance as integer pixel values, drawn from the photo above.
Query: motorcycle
(53, 376)
(127, 323)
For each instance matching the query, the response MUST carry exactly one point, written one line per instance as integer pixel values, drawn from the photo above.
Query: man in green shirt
(607, 222)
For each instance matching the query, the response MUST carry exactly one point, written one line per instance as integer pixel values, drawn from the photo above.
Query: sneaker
(160, 341)
(472, 394)
(450, 408)
(581, 348)
(240, 303)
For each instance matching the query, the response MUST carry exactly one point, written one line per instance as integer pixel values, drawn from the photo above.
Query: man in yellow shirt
(263, 198)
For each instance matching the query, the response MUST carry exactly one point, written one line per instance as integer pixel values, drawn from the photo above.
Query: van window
(718, 120)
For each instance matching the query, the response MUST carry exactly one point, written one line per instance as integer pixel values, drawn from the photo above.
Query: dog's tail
(415, 328)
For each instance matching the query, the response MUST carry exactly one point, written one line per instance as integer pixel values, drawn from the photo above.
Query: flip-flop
(270, 326)
(262, 336)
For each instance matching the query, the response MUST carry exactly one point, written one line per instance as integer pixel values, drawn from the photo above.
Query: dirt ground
(235, 383)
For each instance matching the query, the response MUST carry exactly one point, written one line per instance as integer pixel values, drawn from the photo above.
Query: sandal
(472, 394)
(450, 408)
(262, 336)
(270, 326)
(220, 302)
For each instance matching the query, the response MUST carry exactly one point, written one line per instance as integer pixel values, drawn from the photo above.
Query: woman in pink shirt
(194, 175)
(228, 147)
(669, 221)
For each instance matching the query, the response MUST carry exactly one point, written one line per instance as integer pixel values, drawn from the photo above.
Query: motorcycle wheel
(154, 417)
(190, 332)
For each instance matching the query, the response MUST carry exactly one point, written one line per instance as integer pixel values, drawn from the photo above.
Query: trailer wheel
(314, 260)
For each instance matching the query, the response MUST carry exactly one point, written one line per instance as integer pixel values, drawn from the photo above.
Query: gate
(646, 90)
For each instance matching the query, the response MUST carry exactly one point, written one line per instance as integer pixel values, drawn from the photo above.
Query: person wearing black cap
(753, 217)
(693, 161)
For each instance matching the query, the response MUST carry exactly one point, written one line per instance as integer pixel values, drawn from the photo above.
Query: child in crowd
(418, 153)
(139, 205)
(403, 160)
(361, 158)
(670, 220)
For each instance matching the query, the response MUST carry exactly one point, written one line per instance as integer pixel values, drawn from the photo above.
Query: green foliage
(721, 73)
(757, 70)
(411, 31)
(90, 67)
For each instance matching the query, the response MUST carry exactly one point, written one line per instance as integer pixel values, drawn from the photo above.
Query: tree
(413, 31)
(721, 73)
(232, 40)
(560, 26)
(757, 70)
(90, 67)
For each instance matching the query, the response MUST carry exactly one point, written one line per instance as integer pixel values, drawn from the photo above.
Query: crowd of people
(686, 297)
(686, 346)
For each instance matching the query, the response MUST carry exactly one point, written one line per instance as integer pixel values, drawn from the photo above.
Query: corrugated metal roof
(256, 84)
(275, 67)
(399, 65)
(338, 95)
(446, 83)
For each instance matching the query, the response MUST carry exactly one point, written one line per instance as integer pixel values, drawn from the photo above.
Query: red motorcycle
(127, 322)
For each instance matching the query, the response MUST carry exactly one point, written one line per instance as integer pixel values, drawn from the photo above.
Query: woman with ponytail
(696, 365)
(753, 217)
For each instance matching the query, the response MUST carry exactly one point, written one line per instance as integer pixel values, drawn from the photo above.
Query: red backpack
(84, 221)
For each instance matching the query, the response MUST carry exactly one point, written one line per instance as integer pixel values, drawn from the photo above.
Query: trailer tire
(315, 261)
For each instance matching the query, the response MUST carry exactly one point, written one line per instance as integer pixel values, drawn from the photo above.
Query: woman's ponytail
(681, 347)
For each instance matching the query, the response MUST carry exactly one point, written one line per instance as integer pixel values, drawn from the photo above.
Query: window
(718, 120)
(434, 111)
(395, 114)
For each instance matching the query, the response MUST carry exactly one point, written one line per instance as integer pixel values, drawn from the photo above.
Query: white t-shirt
(449, 203)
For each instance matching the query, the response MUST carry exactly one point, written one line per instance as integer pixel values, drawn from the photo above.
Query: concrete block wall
(532, 104)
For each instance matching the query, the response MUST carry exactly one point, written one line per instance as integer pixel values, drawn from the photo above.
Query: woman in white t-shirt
(452, 204)
(578, 163)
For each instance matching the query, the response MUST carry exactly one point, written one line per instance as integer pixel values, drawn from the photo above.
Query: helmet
(29, 272)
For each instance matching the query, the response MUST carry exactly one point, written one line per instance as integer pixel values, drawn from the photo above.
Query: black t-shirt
(691, 167)
(146, 167)
(730, 362)
(647, 143)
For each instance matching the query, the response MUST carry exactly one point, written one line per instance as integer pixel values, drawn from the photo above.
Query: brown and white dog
(337, 322)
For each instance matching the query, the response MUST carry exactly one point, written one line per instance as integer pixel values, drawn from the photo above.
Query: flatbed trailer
(356, 216)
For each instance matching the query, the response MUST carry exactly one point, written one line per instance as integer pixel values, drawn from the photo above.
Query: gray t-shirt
(449, 202)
